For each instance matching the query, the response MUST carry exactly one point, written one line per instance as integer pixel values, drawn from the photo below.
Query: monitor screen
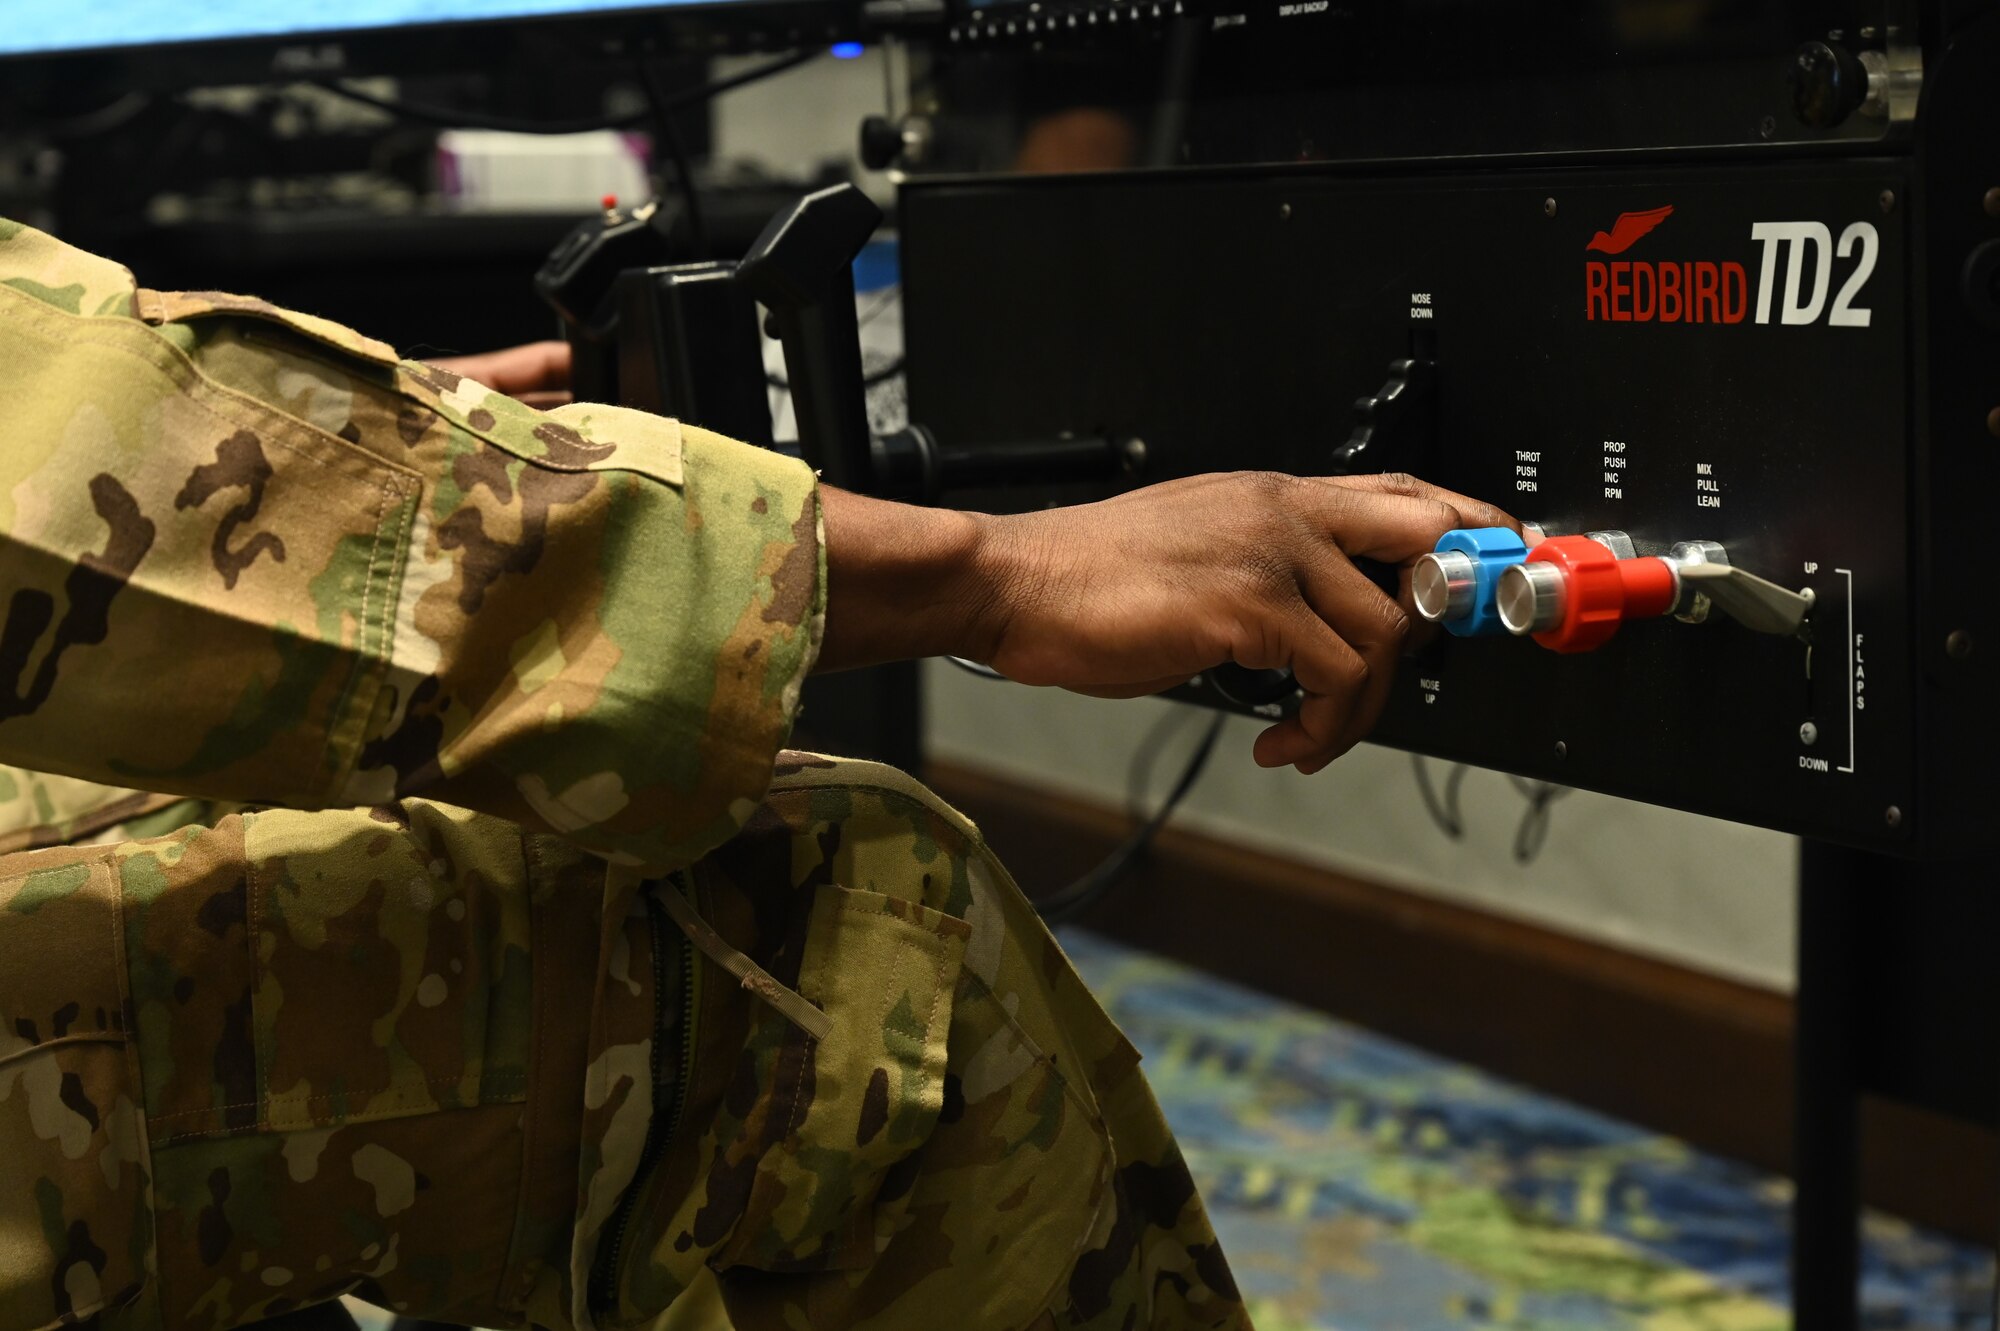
(54, 27)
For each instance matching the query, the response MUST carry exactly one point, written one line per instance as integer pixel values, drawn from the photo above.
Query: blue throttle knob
(1453, 584)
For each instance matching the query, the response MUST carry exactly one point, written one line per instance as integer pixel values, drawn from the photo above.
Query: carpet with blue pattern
(1361, 1184)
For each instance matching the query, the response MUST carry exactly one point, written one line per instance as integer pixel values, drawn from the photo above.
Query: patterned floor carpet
(1361, 1184)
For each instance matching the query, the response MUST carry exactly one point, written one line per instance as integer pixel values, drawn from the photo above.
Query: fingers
(1341, 636)
(1346, 694)
(1473, 512)
(1372, 524)
(1345, 654)
(1326, 665)
(1300, 739)
(543, 366)
(1395, 518)
(1373, 624)
(528, 372)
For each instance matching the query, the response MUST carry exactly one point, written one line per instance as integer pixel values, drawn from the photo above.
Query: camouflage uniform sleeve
(249, 555)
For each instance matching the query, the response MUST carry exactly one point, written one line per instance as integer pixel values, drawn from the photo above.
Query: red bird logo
(1627, 230)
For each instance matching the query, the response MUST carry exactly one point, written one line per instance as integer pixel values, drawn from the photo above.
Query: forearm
(906, 582)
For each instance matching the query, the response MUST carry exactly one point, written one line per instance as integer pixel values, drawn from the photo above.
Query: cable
(1530, 835)
(884, 374)
(103, 120)
(882, 302)
(755, 74)
(868, 380)
(876, 376)
(1445, 813)
(1177, 76)
(1086, 891)
(449, 118)
(676, 149)
(1534, 827)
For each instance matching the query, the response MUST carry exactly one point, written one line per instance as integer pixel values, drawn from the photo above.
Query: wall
(1708, 894)
(791, 124)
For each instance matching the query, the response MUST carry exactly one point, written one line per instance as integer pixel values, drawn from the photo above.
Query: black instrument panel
(1720, 353)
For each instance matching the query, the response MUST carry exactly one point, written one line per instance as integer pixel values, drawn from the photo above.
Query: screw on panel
(1134, 455)
(1808, 734)
(1768, 126)
(1887, 198)
(1958, 645)
(1993, 202)
(1284, 212)
(1562, 749)
(1548, 207)
(1893, 816)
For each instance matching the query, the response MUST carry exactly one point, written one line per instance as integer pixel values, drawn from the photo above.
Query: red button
(1601, 591)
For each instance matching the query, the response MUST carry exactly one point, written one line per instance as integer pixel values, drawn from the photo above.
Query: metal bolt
(1135, 454)
(1893, 816)
(1958, 645)
(1808, 734)
(1993, 202)
(1562, 749)
(1768, 126)
(1868, 33)
(1284, 212)
(1887, 198)
(1548, 207)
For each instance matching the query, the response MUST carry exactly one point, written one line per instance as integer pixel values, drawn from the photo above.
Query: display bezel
(466, 45)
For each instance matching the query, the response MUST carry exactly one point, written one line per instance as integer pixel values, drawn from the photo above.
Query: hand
(537, 373)
(1139, 593)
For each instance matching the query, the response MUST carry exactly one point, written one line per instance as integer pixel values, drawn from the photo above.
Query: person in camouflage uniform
(425, 908)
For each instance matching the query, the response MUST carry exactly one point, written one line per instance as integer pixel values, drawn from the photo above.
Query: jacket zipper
(690, 1001)
(665, 1121)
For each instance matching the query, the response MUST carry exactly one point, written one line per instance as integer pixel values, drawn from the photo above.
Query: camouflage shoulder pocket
(75, 1207)
(159, 307)
(845, 1115)
(244, 569)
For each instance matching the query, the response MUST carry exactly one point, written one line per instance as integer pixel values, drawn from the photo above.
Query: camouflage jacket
(250, 555)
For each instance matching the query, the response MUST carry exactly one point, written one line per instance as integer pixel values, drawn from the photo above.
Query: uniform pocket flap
(855, 1104)
(158, 307)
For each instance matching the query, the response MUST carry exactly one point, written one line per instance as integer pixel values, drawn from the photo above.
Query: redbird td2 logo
(1709, 291)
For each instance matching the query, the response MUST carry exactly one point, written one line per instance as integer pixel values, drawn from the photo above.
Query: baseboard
(1702, 1058)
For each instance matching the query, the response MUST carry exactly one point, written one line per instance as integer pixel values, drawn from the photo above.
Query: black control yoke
(681, 340)
(801, 270)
